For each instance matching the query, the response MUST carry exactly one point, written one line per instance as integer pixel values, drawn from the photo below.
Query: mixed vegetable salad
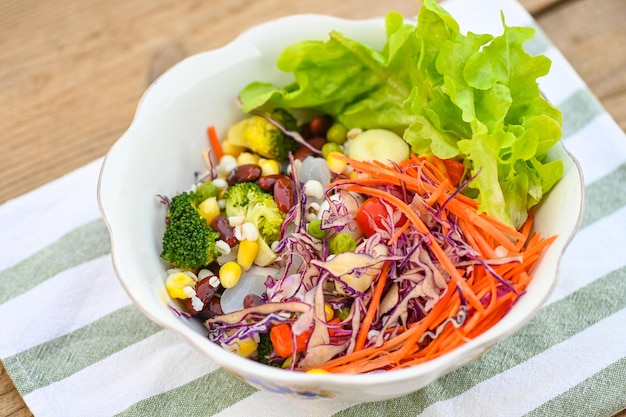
(391, 225)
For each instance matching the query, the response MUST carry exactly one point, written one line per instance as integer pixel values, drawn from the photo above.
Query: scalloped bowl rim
(259, 43)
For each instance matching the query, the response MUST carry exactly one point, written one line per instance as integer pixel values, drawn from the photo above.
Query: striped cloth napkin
(74, 344)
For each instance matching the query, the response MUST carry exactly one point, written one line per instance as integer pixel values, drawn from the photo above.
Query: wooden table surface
(72, 71)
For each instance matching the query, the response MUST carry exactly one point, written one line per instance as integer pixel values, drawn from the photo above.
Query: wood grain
(592, 37)
(72, 72)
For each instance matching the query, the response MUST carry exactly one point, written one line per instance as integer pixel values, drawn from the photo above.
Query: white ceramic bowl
(160, 151)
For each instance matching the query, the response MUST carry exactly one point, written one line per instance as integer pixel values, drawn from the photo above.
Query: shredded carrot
(476, 297)
(525, 231)
(476, 239)
(215, 143)
(419, 224)
(372, 308)
(399, 232)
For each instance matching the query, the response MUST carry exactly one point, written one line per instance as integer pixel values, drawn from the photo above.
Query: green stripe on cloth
(578, 110)
(204, 396)
(38, 366)
(82, 244)
(597, 395)
(607, 195)
(555, 323)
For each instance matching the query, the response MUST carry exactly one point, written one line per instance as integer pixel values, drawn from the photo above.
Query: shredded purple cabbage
(310, 278)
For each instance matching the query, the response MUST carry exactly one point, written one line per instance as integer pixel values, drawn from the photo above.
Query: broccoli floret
(247, 199)
(268, 218)
(188, 241)
(239, 196)
(262, 137)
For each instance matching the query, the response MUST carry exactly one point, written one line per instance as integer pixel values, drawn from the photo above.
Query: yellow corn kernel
(269, 167)
(247, 158)
(355, 175)
(329, 313)
(209, 209)
(316, 371)
(246, 253)
(246, 347)
(334, 164)
(229, 274)
(176, 282)
(243, 347)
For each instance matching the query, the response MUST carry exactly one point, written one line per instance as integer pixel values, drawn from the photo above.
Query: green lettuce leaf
(346, 79)
(470, 96)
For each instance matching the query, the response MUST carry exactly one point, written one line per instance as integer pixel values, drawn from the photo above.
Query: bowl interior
(161, 151)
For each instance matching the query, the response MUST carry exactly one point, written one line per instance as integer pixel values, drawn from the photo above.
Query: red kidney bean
(284, 193)
(302, 153)
(305, 131)
(220, 224)
(319, 125)
(244, 173)
(215, 268)
(252, 300)
(266, 182)
(212, 308)
(204, 290)
(317, 142)
(206, 293)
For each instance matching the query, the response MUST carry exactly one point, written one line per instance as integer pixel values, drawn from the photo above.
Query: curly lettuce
(469, 96)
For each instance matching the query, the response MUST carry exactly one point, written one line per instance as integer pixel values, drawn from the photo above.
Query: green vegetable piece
(238, 196)
(287, 363)
(207, 190)
(342, 242)
(451, 94)
(247, 199)
(314, 229)
(262, 137)
(337, 133)
(344, 313)
(379, 144)
(188, 242)
(265, 348)
(329, 147)
(268, 219)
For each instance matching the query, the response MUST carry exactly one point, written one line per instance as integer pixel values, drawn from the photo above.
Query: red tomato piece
(370, 215)
(455, 170)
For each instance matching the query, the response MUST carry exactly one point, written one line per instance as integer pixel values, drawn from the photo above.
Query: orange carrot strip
(470, 233)
(523, 279)
(447, 340)
(399, 232)
(525, 231)
(432, 243)
(469, 237)
(437, 193)
(214, 140)
(372, 308)
(498, 312)
(349, 361)
(482, 232)
(446, 307)
(497, 229)
(540, 245)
